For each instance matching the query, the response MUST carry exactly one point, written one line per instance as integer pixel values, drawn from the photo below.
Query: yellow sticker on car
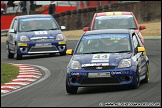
(109, 13)
(62, 42)
(22, 44)
(117, 13)
(115, 38)
(113, 13)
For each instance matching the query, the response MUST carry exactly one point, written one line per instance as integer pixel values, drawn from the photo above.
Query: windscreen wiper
(125, 51)
(44, 29)
(53, 29)
(133, 28)
(98, 52)
(37, 30)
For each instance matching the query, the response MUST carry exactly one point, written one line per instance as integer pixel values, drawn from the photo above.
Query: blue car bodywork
(43, 40)
(101, 67)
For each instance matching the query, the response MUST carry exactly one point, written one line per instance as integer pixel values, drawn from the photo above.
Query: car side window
(139, 40)
(81, 47)
(14, 26)
(135, 42)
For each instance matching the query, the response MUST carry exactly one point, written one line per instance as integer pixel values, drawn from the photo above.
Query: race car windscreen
(115, 22)
(36, 24)
(104, 43)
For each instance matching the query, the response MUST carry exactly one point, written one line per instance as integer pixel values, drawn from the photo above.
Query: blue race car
(107, 57)
(35, 34)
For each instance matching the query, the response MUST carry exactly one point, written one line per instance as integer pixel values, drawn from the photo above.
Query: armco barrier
(4, 32)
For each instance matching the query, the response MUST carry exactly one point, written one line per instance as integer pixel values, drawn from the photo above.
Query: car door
(141, 58)
(11, 36)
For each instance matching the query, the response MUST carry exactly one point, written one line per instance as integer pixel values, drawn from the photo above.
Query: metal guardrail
(4, 32)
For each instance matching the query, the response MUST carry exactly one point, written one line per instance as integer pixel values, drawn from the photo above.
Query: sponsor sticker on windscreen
(115, 17)
(110, 36)
(32, 19)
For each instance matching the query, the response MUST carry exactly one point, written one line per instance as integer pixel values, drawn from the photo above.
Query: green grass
(8, 72)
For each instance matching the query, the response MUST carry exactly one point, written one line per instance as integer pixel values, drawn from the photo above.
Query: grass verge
(8, 72)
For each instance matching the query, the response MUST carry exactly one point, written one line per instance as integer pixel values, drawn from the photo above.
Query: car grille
(95, 67)
(41, 49)
(99, 80)
(42, 40)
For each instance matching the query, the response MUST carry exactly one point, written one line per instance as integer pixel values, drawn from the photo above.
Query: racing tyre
(17, 55)
(9, 55)
(147, 75)
(71, 89)
(137, 82)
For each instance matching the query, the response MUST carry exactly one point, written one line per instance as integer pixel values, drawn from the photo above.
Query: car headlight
(24, 38)
(60, 37)
(124, 63)
(75, 65)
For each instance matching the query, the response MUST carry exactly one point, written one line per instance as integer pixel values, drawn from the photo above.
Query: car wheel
(9, 55)
(137, 82)
(147, 75)
(71, 89)
(17, 55)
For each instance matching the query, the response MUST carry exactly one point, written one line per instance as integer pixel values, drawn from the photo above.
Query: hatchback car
(35, 34)
(115, 20)
(107, 57)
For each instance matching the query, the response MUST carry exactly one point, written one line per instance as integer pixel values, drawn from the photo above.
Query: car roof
(114, 13)
(33, 16)
(127, 31)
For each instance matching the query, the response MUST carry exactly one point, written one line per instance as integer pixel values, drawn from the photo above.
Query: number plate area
(43, 45)
(98, 74)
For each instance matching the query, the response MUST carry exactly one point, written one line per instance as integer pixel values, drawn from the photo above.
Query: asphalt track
(51, 92)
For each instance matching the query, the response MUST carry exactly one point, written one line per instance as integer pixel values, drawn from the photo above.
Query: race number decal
(40, 32)
(100, 58)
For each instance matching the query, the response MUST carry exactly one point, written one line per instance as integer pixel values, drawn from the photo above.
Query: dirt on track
(153, 28)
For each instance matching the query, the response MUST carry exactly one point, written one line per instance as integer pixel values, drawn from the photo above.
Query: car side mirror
(141, 49)
(69, 51)
(11, 31)
(86, 29)
(142, 27)
(63, 27)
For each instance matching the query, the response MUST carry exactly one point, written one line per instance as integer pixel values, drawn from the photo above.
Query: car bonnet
(100, 59)
(45, 33)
